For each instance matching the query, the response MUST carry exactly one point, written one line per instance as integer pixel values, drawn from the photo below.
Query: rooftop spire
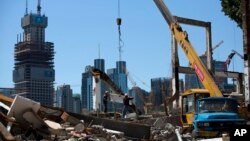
(39, 7)
(26, 10)
(99, 51)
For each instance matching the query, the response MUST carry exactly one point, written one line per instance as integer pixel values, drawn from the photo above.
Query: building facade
(99, 64)
(161, 88)
(76, 103)
(120, 77)
(8, 92)
(86, 90)
(117, 75)
(64, 97)
(140, 97)
(33, 73)
(88, 94)
(192, 81)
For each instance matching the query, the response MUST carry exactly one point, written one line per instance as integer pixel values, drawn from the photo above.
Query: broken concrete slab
(20, 105)
(32, 118)
(142, 131)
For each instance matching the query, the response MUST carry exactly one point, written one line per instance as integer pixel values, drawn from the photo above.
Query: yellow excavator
(205, 112)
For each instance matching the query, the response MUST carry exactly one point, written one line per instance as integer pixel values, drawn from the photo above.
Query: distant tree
(231, 8)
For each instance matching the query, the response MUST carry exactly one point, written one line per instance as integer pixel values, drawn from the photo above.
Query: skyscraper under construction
(34, 73)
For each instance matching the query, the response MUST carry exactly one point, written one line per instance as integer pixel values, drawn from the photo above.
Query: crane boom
(182, 38)
(230, 57)
(216, 46)
(238, 54)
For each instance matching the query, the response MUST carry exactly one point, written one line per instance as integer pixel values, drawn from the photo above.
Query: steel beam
(207, 26)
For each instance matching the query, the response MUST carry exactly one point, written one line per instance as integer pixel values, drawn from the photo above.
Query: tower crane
(216, 46)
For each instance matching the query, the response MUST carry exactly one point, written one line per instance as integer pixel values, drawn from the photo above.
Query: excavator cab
(188, 105)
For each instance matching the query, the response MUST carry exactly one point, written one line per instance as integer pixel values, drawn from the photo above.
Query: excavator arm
(196, 63)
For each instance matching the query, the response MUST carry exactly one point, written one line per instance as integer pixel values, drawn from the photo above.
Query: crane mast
(196, 63)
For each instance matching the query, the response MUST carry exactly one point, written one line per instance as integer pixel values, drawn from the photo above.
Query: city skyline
(83, 27)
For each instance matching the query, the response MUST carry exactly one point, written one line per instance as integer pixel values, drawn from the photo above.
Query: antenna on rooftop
(99, 51)
(26, 10)
(39, 7)
(20, 37)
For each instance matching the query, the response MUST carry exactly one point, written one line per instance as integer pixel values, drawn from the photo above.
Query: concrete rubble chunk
(118, 133)
(31, 117)
(53, 125)
(79, 127)
(18, 108)
(69, 129)
(7, 135)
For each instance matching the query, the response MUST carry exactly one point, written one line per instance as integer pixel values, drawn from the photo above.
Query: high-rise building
(111, 73)
(139, 96)
(86, 90)
(161, 88)
(192, 81)
(121, 76)
(7, 92)
(117, 75)
(99, 64)
(64, 97)
(87, 93)
(76, 103)
(33, 72)
(220, 81)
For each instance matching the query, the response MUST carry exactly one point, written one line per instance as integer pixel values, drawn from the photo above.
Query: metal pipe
(177, 132)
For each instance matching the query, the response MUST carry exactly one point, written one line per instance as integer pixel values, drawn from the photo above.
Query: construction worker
(127, 106)
(106, 98)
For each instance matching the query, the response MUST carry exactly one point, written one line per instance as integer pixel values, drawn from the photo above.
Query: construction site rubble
(164, 127)
(32, 121)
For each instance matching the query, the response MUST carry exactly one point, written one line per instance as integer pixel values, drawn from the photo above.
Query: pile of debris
(24, 119)
(163, 128)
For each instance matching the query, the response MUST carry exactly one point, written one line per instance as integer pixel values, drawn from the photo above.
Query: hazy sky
(77, 27)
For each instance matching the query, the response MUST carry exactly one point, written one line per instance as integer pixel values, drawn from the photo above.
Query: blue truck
(214, 116)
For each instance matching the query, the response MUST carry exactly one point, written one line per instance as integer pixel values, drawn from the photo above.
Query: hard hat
(106, 92)
(126, 94)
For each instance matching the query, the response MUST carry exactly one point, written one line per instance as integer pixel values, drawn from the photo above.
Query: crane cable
(119, 22)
